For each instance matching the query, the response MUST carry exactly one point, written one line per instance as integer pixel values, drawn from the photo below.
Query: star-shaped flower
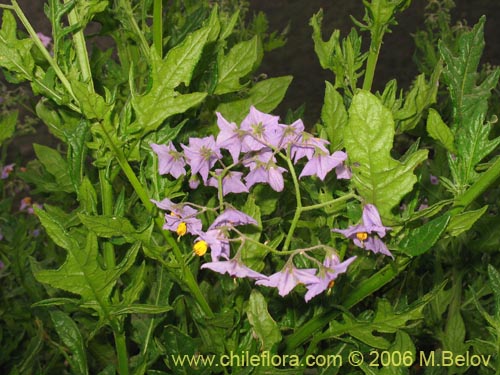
(322, 163)
(332, 269)
(180, 218)
(288, 278)
(201, 155)
(231, 182)
(367, 234)
(170, 161)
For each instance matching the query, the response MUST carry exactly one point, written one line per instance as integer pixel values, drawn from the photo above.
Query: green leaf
(82, 275)
(81, 272)
(368, 139)
(112, 226)
(470, 103)
(15, 55)
(438, 130)
(93, 105)
(177, 344)
(264, 327)
(385, 320)
(251, 254)
(324, 50)
(8, 126)
(141, 309)
(55, 229)
(70, 335)
(421, 239)
(463, 222)
(162, 101)
(334, 117)
(265, 96)
(420, 97)
(239, 62)
(77, 152)
(54, 164)
(87, 197)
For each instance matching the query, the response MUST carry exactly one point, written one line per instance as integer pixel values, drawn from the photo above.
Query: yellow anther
(331, 284)
(200, 248)
(181, 229)
(362, 236)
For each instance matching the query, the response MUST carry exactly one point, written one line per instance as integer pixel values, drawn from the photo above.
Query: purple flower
(434, 179)
(231, 218)
(343, 172)
(291, 133)
(181, 216)
(322, 163)
(7, 170)
(288, 278)
(44, 39)
(2, 265)
(217, 242)
(307, 145)
(194, 182)
(230, 137)
(262, 130)
(231, 182)
(234, 268)
(263, 168)
(332, 268)
(367, 235)
(201, 154)
(169, 160)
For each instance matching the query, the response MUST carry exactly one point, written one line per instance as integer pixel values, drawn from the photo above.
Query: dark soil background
(395, 61)
(298, 59)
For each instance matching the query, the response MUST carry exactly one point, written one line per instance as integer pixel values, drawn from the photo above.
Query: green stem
(158, 27)
(371, 62)
(121, 350)
(298, 200)
(43, 50)
(333, 201)
(363, 290)
(485, 180)
(107, 209)
(144, 197)
(81, 48)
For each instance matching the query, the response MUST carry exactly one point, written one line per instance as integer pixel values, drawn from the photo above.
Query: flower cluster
(254, 144)
(254, 148)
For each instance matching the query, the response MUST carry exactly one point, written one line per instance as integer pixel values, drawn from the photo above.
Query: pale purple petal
(376, 245)
(233, 268)
(170, 161)
(371, 220)
(232, 217)
(288, 278)
(229, 137)
(44, 39)
(275, 178)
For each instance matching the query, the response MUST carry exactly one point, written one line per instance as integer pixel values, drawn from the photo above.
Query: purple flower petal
(231, 217)
(234, 268)
(288, 278)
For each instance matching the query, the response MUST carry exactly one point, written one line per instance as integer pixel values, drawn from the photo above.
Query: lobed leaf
(368, 139)
(239, 62)
(470, 103)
